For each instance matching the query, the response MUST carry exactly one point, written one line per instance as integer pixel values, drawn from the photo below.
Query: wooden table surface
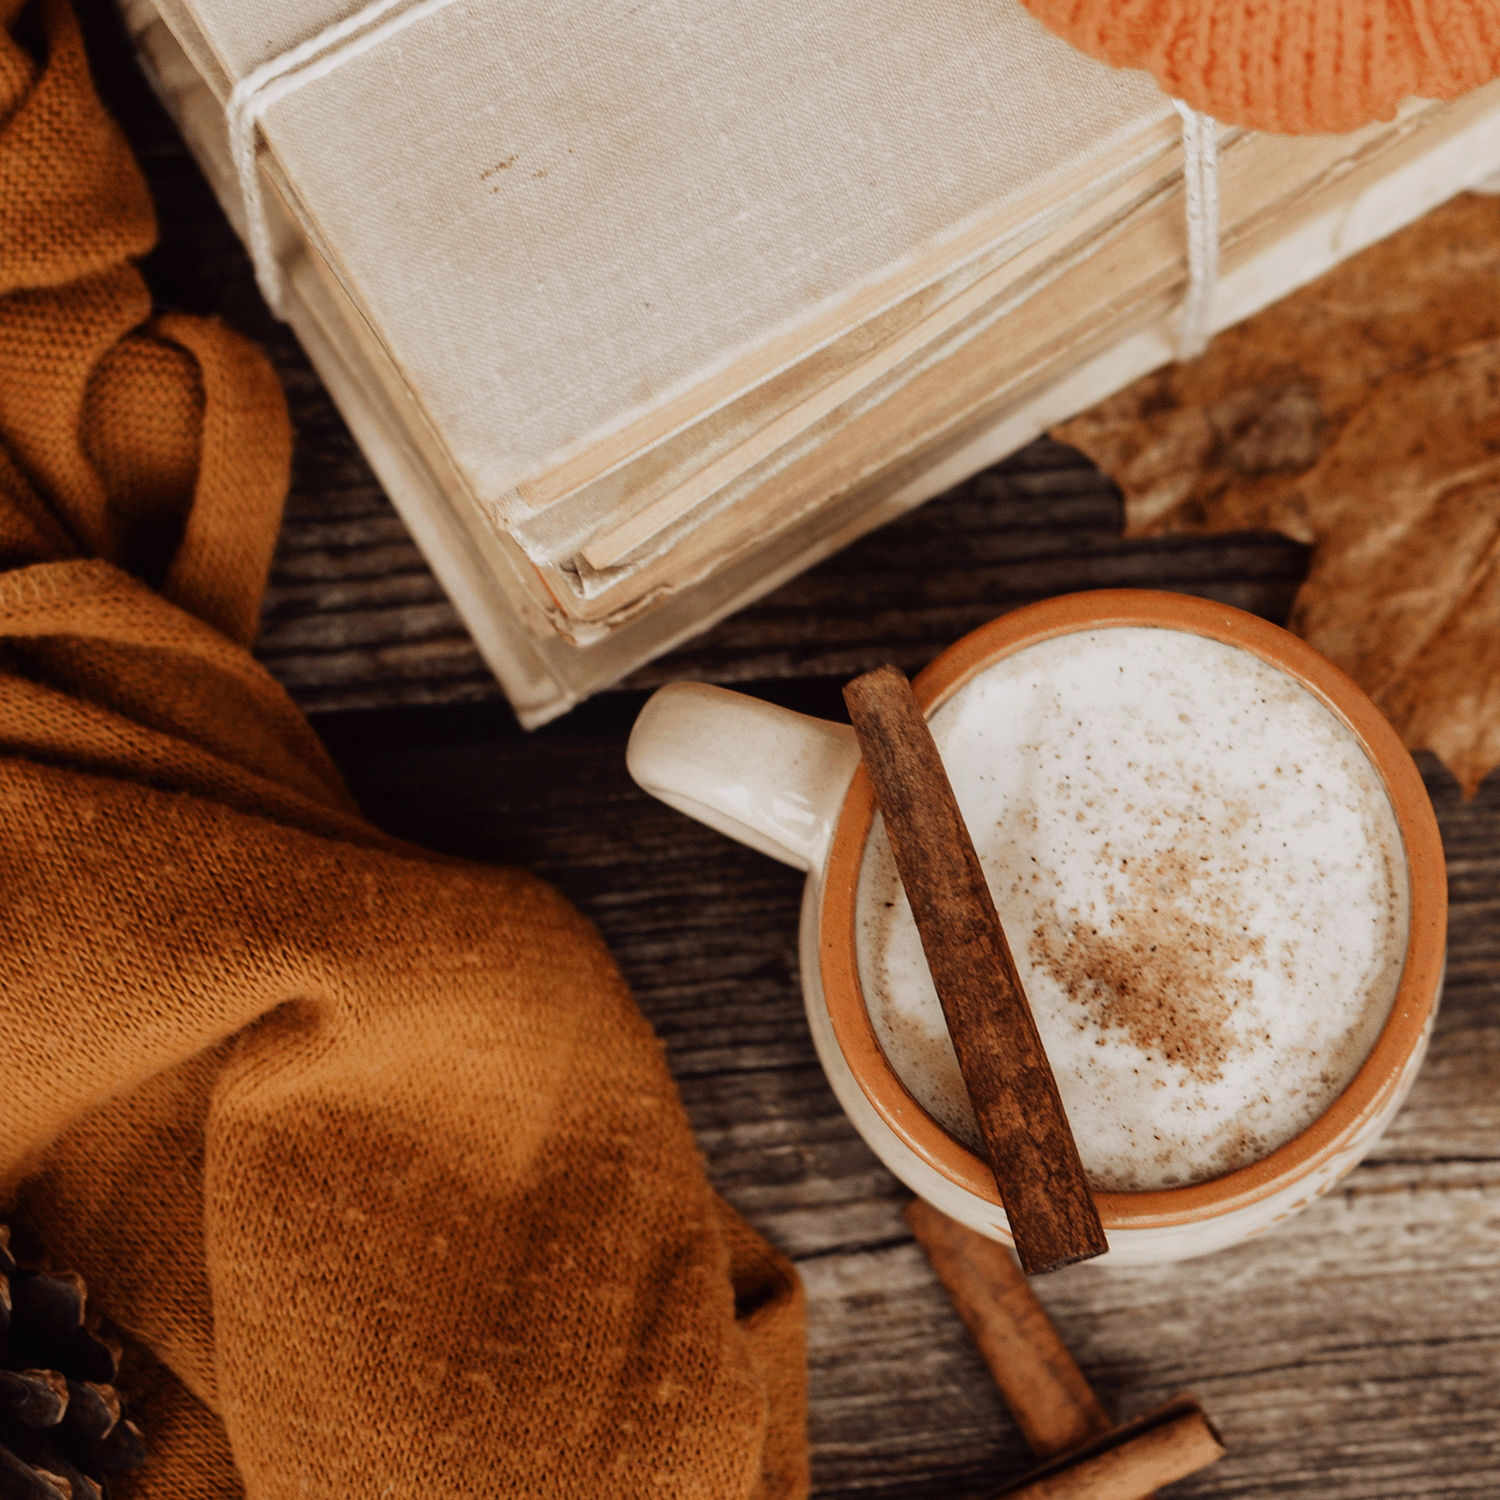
(1355, 1352)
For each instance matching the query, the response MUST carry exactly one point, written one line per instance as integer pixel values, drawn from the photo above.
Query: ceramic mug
(792, 787)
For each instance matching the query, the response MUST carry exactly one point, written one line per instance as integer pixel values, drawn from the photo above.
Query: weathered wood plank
(1318, 1350)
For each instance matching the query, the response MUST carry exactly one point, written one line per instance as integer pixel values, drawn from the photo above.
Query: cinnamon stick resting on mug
(1026, 1133)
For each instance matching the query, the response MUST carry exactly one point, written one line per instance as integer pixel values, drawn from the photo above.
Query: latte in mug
(1203, 883)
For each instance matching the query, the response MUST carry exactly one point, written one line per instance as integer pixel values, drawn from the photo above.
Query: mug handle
(771, 778)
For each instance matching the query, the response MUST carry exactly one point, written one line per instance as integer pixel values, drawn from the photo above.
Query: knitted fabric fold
(367, 1151)
(1297, 67)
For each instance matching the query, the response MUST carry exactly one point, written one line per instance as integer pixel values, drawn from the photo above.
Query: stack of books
(639, 308)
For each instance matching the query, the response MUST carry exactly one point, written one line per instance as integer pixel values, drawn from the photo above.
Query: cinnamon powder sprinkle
(1163, 970)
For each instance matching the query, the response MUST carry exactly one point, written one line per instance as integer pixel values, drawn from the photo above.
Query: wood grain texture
(1354, 1354)
(1028, 1140)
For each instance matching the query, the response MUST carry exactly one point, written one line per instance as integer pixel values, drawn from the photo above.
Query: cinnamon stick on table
(1005, 1069)
(1053, 1404)
(1085, 1456)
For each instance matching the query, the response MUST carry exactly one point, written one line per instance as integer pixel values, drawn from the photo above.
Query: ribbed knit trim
(1297, 67)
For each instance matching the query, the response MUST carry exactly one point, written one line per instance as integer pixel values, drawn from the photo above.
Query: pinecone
(60, 1426)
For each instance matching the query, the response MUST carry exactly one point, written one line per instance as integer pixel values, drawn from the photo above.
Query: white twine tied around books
(1200, 169)
(256, 92)
(335, 45)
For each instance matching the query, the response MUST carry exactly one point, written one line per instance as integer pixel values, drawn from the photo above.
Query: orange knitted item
(1299, 67)
(368, 1151)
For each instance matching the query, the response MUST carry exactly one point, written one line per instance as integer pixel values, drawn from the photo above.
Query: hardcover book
(639, 309)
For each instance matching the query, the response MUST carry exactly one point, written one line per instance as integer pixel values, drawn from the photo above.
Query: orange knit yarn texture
(367, 1151)
(1297, 67)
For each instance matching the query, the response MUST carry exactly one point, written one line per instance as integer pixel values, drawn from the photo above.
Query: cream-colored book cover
(639, 309)
(575, 228)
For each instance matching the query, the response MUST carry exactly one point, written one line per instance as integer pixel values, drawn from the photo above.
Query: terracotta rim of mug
(1427, 884)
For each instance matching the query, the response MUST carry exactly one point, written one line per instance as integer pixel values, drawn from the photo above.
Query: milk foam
(1202, 881)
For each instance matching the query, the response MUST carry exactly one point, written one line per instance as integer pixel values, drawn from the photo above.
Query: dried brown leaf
(1361, 415)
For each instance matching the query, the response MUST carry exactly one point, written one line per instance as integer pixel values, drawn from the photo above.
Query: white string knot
(1200, 169)
(257, 91)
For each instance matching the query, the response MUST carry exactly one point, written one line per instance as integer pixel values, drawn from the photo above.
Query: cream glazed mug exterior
(793, 788)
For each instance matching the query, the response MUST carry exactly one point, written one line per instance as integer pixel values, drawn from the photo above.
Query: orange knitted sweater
(367, 1151)
(1299, 67)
